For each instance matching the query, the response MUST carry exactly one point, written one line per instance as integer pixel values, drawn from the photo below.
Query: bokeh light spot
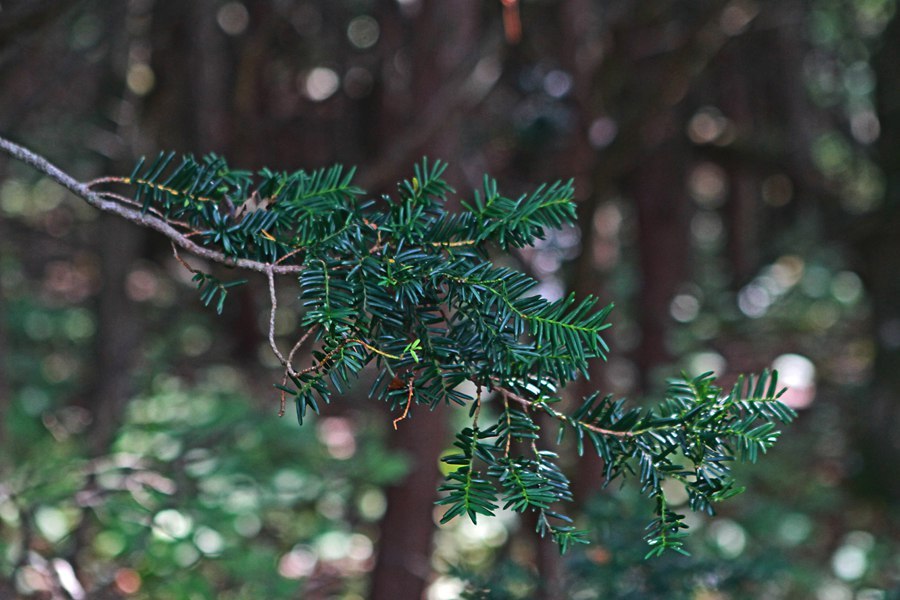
(706, 362)
(109, 543)
(794, 529)
(847, 287)
(363, 32)
(52, 523)
(707, 125)
(320, 84)
(297, 563)
(209, 541)
(737, 16)
(338, 437)
(446, 588)
(754, 300)
(849, 562)
(729, 537)
(798, 373)
(684, 308)
(170, 524)
(186, 554)
(708, 185)
(140, 79)
(128, 581)
(247, 524)
(602, 132)
(557, 83)
(233, 18)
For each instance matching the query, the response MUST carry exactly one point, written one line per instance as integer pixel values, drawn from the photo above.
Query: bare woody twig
(183, 262)
(290, 362)
(97, 200)
(409, 399)
(273, 299)
(299, 343)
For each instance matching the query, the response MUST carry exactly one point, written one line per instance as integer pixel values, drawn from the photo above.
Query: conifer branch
(158, 224)
(403, 287)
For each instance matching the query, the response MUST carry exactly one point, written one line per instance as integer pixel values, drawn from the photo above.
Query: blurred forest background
(737, 166)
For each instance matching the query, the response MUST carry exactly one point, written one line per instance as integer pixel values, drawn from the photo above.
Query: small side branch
(508, 425)
(183, 262)
(409, 399)
(299, 343)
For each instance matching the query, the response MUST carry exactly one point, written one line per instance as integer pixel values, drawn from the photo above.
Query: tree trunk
(445, 35)
(657, 186)
(5, 388)
(582, 57)
(403, 567)
(119, 332)
(742, 207)
(878, 417)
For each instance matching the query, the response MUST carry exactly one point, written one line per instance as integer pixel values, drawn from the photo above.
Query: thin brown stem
(409, 399)
(299, 343)
(290, 361)
(508, 425)
(477, 407)
(183, 262)
(289, 254)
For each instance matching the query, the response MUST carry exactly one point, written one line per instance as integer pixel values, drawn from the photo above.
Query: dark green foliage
(213, 290)
(400, 284)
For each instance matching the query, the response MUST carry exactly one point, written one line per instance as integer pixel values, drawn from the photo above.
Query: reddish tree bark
(119, 332)
(5, 390)
(444, 38)
(657, 186)
(403, 568)
(877, 420)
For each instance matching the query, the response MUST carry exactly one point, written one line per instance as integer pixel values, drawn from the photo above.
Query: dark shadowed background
(737, 166)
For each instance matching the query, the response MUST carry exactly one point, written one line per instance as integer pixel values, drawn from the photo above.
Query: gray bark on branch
(98, 201)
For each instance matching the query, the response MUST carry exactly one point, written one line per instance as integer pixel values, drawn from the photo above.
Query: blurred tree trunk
(5, 388)
(582, 56)
(445, 35)
(878, 417)
(403, 566)
(741, 208)
(119, 332)
(27, 17)
(668, 46)
(657, 186)
(207, 77)
(118, 245)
